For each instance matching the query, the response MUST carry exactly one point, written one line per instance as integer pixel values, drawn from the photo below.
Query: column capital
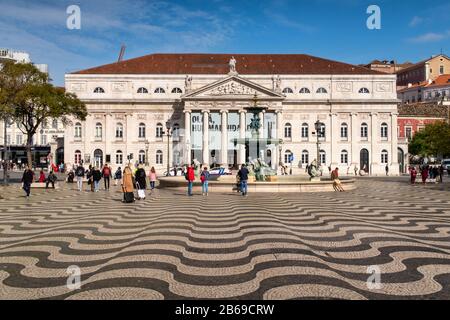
(395, 114)
(206, 111)
(354, 114)
(187, 111)
(224, 111)
(374, 114)
(242, 111)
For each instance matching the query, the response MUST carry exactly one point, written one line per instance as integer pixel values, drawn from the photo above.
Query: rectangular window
(119, 158)
(19, 139)
(43, 140)
(408, 133)
(8, 139)
(441, 70)
(344, 158)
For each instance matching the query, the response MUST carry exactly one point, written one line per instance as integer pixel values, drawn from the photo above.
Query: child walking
(204, 177)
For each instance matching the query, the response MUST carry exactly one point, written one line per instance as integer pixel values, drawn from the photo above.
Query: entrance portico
(216, 115)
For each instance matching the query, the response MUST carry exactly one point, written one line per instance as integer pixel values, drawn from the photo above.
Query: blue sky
(411, 30)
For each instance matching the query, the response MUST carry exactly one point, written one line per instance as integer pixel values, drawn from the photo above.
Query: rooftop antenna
(122, 53)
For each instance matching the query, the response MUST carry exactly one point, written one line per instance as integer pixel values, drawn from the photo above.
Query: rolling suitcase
(128, 197)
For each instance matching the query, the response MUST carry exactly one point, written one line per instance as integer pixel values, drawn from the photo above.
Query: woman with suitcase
(128, 185)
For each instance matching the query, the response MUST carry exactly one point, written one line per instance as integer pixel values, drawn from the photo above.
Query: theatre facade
(204, 100)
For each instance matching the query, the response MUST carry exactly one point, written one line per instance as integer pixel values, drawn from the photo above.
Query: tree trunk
(29, 154)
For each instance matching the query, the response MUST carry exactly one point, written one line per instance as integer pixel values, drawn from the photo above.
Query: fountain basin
(284, 184)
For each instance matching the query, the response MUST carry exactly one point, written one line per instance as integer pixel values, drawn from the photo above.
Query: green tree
(434, 140)
(28, 99)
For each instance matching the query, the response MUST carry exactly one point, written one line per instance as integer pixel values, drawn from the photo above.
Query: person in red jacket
(190, 177)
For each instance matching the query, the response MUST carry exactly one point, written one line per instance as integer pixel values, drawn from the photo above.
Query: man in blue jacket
(243, 176)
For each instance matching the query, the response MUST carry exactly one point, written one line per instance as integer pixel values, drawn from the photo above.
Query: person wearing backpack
(106, 173)
(89, 173)
(204, 177)
(51, 179)
(243, 177)
(96, 177)
(79, 173)
(190, 177)
(117, 176)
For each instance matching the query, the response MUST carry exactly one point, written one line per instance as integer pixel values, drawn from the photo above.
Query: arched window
(323, 157)
(344, 131)
(142, 130)
(78, 130)
(288, 131)
(159, 131)
(344, 157)
(142, 90)
(305, 131)
(98, 158)
(177, 90)
(288, 157)
(364, 90)
(305, 90)
(99, 90)
(288, 90)
(384, 131)
(119, 157)
(159, 157)
(98, 130)
(305, 157)
(119, 131)
(321, 90)
(384, 157)
(55, 124)
(141, 157)
(160, 90)
(364, 131)
(77, 160)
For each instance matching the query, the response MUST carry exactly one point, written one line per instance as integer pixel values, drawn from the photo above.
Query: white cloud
(415, 21)
(430, 37)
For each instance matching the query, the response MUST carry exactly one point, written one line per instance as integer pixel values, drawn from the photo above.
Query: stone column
(206, 137)
(187, 136)
(261, 119)
(110, 134)
(224, 135)
(242, 128)
(355, 138)
(334, 140)
(394, 167)
(374, 154)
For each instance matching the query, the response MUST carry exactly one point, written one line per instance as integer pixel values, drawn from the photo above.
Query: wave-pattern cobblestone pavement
(294, 246)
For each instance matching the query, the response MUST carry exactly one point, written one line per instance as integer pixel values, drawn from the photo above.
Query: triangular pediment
(233, 87)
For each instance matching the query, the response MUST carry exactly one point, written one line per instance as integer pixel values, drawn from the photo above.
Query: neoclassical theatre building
(203, 99)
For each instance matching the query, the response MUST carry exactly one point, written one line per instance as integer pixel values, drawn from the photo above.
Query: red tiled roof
(426, 110)
(218, 64)
(442, 80)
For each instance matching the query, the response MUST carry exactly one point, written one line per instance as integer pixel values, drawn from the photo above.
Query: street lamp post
(318, 133)
(168, 133)
(147, 147)
(5, 153)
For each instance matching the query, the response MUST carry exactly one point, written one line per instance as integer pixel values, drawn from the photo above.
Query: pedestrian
(128, 185)
(243, 177)
(238, 183)
(42, 177)
(141, 182)
(204, 178)
(27, 180)
(424, 174)
(436, 174)
(387, 170)
(337, 185)
(79, 173)
(153, 177)
(356, 170)
(441, 173)
(190, 177)
(106, 174)
(117, 176)
(96, 177)
(70, 176)
(89, 177)
(413, 173)
(51, 179)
